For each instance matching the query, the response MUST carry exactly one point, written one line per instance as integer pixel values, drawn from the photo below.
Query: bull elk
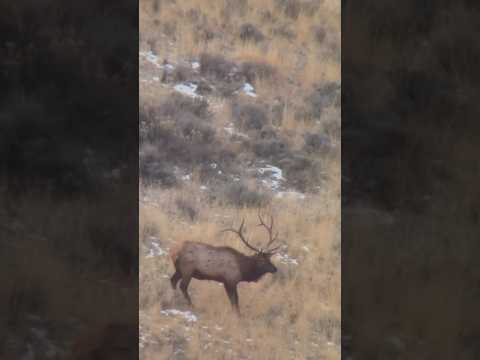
(223, 263)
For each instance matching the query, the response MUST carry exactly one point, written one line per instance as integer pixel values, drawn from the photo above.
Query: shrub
(216, 66)
(315, 142)
(249, 116)
(249, 32)
(173, 135)
(227, 89)
(193, 130)
(319, 34)
(186, 209)
(333, 128)
(297, 163)
(324, 96)
(153, 167)
(253, 70)
(290, 8)
(271, 148)
(268, 132)
(239, 7)
(301, 172)
(203, 88)
(179, 104)
(239, 195)
(204, 34)
(310, 7)
(169, 29)
(182, 73)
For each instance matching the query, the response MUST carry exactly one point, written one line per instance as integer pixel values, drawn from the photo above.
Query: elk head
(262, 256)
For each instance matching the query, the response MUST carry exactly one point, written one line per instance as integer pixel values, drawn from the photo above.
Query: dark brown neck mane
(250, 269)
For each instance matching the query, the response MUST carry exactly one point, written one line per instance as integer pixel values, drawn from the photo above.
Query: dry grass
(292, 315)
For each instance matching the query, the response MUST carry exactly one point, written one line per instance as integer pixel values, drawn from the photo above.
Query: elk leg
(174, 279)
(184, 287)
(233, 296)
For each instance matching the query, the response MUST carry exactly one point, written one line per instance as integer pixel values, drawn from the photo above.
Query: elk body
(222, 263)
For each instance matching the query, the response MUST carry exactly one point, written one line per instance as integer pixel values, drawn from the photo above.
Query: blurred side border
(69, 179)
(410, 175)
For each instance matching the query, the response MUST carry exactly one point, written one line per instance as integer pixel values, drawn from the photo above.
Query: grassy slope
(296, 314)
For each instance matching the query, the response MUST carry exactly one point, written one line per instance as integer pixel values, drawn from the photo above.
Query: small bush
(319, 34)
(182, 73)
(153, 169)
(235, 7)
(249, 116)
(227, 89)
(178, 104)
(268, 132)
(266, 16)
(310, 7)
(249, 32)
(291, 8)
(333, 128)
(169, 29)
(297, 163)
(253, 70)
(239, 195)
(301, 172)
(193, 129)
(204, 34)
(324, 96)
(216, 66)
(271, 148)
(203, 88)
(186, 209)
(315, 142)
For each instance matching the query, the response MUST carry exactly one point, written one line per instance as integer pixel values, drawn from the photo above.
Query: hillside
(240, 112)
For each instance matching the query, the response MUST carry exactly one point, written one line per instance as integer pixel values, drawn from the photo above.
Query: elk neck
(251, 269)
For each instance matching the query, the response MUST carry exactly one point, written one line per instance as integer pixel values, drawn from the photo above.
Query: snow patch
(195, 65)
(188, 89)
(274, 176)
(232, 132)
(150, 57)
(153, 59)
(187, 315)
(284, 258)
(249, 90)
(155, 249)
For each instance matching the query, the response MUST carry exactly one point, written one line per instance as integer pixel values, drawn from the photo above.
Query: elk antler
(240, 235)
(270, 234)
